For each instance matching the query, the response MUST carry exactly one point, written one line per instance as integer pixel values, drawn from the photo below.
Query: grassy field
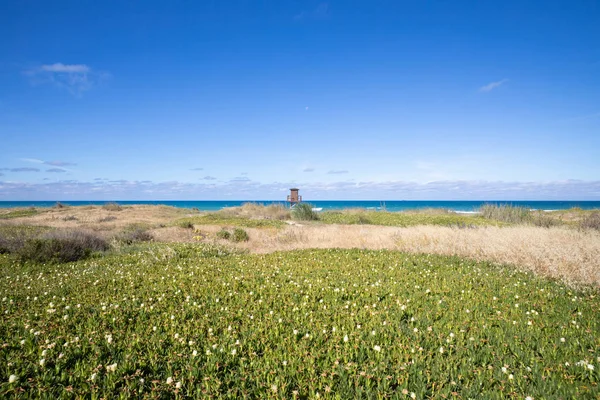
(184, 320)
(404, 219)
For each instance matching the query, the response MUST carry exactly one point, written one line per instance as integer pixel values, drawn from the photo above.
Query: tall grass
(518, 215)
(304, 212)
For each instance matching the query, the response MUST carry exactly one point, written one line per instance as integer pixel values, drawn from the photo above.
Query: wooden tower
(293, 198)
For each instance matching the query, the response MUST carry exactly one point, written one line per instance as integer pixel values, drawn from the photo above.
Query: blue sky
(344, 99)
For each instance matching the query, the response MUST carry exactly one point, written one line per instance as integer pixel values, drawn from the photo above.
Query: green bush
(506, 213)
(304, 212)
(240, 235)
(112, 206)
(224, 234)
(135, 235)
(61, 246)
(185, 224)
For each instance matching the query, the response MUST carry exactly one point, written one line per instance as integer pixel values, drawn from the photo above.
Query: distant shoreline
(459, 206)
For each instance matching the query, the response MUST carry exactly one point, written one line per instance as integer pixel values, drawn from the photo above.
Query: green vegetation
(19, 213)
(112, 206)
(304, 212)
(135, 235)
(240, 235)
(221, 219)
(402, 219)
(224, 234)
(12, 237)
(518, 215)
(197, 321)
(59, 246)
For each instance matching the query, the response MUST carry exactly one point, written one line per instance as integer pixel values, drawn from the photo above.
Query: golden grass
(90, 217)
(257, 211)
(562, 253)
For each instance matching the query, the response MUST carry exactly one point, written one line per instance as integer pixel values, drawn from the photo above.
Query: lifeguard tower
(294, 198)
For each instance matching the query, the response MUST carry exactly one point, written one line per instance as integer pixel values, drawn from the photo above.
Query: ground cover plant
(9, 214)
(224, 219)
(403, 219)
(199, 321)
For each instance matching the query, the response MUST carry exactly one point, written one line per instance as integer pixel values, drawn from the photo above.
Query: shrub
(304, 212)
(107, 218)
(506, 213)
(58, 204)
(61, 246)
(185, 224)
(112, 206)
(70, 218)
(591, 221)
(224, 234)
(135, 235)
(240, 235)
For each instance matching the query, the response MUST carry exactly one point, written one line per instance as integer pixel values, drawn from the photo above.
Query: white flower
(93, 377)
(345, 338)
(562, 339)
(194, 353)
(413, 395)
(441, 350)
(590, 367)
(510, 376)
(233, 352)
(377, 348)
(44, 353)
(169, 380)
(284, 363)
(528, 398)
(504, 370)
(178, 385)
(42, 362)
(12, 379)
(112, 367)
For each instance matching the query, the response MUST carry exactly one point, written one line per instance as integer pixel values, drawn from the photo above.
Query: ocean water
(389, 205)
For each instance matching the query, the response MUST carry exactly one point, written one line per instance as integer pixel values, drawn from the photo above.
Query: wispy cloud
(57, 170)
(53, 163)
(240, 179)
(24, 169)
(197, 169)
(72, 68)
(321, 11)
(76, 78)
(59, 163)
(338, 171)
(493, 85)
(209, 178)
(308, 170)
(250, 190)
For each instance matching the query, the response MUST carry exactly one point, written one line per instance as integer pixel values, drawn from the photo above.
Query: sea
(324, 205)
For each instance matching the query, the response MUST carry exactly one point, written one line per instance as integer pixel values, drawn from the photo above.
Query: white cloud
(60, 67)
(252, 190)
(76, 78)
(493, 85)
(338, 171)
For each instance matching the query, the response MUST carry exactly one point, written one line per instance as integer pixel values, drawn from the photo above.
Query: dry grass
(97, 218)
(567, 254)
(257, 211)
